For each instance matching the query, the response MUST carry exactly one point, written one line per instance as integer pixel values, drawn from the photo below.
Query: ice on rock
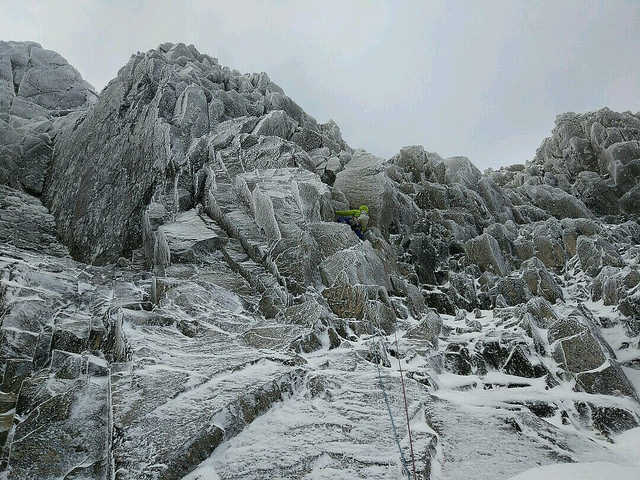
(177, 300)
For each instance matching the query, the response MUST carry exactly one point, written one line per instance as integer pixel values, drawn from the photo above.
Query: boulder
(572, 228)
(439, 301)
(564, 327)
(485, 252)
(44, 77)
(512, 291)
(594, 253)
(541, 312)
(428, 330)
(630, 307)
(607, 380)
(630, 201)
(460, 170)
(540, 281)
(557, 202)
(359, 264)
(190, 239)
(624, 165)
(26, 224)
(422, 166)
(598, 194)
(610, 420)
(613, 284)
(346, 300)
(457, 359)
(579, 353)
(548, 245)
(275, 123)
(522, 364)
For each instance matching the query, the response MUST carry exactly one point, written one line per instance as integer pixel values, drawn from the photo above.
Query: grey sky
(484, 79)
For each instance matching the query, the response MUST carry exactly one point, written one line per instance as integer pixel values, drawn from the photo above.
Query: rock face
(38, 89)
(597, 155)
(177, 300)
(167, 113)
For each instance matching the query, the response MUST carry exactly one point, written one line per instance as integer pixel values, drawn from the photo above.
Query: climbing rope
(406, 408)
(378, 361)
(386, 401)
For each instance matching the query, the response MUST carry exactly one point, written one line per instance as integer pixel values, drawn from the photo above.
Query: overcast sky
(484, 79)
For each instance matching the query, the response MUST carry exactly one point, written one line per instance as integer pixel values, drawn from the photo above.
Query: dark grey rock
(346, 301)
(457, 359)
(493, 352)
(548, 245)
(512, 291)
(612, 420)
(540, 281)
(485, 252)
(520, 364)
(564, 327)
(599, 194)
(439, 301)
(25, 223)
(428, 330)
(579, 353)
(81, 433)
(609, 380)
(630, 201)
(594, 253)
(573, 228)
(557, 202)
(541, 312)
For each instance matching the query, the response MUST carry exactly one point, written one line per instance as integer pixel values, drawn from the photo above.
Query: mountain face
(178, 301)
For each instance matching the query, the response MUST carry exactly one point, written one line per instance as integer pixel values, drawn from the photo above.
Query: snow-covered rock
(38, 88)
(184, 304)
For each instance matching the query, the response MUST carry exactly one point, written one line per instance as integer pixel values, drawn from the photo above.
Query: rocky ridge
(182, 301)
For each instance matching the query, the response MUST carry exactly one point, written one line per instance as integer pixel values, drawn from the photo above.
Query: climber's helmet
(363, 208)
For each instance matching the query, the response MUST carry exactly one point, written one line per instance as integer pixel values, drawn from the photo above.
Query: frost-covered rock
(236, 330)
(363, 183)
(167, 113)
(556, 201)
(595, 253)
(42, 77)
(485, 252)
(427, 330)
(541, 283)
(603, 143)
(38, 88)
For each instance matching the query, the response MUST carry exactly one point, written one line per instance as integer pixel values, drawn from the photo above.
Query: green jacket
(356, 214)
(347, 213)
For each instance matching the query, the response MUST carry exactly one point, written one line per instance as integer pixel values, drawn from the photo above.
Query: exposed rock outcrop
(173, 284)
(38, 90)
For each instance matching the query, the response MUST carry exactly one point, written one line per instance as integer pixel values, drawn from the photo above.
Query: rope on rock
(386, 401)
(406, 408)
(378, 361)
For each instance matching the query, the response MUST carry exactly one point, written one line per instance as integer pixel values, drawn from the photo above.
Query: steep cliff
(177, 300)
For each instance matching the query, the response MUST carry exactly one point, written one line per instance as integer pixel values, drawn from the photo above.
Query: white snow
(204, 472)
(580, 471)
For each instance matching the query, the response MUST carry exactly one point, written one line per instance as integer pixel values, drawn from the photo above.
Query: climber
(356, 219)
